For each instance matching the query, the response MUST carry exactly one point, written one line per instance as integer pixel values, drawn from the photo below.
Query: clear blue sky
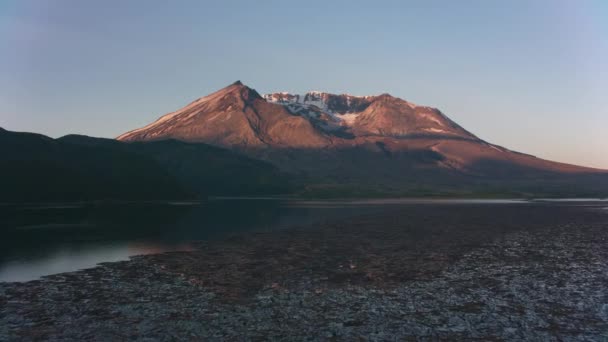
(530, 75)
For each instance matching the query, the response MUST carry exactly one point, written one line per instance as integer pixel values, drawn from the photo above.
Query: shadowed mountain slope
(34, 168)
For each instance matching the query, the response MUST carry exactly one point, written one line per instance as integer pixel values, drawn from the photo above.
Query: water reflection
(44, 240)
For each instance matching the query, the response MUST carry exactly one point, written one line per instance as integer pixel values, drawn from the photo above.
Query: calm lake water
(43, 240)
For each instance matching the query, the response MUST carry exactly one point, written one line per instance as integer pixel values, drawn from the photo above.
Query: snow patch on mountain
(436, 130)
(349, 118)
(333, 111)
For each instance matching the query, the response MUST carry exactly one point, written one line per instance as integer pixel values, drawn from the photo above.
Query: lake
(509, 270)
(48, 239)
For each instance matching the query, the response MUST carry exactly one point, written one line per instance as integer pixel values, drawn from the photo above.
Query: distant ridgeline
(36, 168)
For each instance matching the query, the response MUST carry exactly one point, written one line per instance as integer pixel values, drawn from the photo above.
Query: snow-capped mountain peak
(336, 104)
(238, 115)
(333, 111)
(341, 110)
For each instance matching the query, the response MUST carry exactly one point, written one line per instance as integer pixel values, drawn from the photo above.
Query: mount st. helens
(378, 143)
(238, 117)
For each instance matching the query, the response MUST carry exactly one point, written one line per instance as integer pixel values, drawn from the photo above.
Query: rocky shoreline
(429, 272)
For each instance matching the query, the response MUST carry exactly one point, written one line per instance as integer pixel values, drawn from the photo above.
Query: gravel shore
(421, 272)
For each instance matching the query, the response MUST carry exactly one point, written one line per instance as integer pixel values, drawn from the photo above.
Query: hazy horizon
(530, 76)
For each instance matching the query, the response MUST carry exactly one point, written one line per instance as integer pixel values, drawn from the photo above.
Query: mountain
(37, 168)
(235, 116)
(365, 145)
(238, 117)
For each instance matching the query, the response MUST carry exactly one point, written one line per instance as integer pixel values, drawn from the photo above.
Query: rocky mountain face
(382, 115)
(377, 141)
